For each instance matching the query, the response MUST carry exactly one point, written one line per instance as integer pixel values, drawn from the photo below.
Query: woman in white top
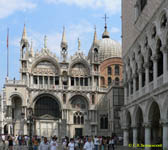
(71, 145)
(53, 144)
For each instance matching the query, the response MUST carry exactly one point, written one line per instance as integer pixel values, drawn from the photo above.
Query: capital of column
(147, 124)
(146, 65)
(155, 57)
(134, 76)
(164, 123)
(140, 70)
(164, 48)
(125, 128)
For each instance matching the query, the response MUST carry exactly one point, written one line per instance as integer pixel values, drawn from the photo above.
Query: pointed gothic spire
(105, 33)
(24, 35)
(79, 44)
(31, 49)
(95, 40)
(64, 44)
(45, 41)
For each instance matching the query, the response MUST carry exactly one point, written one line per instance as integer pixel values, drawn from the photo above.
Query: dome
(109, 48)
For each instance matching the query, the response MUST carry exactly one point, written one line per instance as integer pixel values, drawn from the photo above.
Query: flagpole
(7, 52)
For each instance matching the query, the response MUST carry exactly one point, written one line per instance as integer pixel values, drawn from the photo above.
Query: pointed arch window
(109, 70)
(109, 81)
(104, 122)
(117, 70)
(78, 118)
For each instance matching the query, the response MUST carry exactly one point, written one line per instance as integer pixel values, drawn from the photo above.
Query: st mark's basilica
(69, 96)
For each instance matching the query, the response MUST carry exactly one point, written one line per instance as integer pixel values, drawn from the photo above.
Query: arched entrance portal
(47, 112)
(79, 106)
(156, 129)
(17, 116)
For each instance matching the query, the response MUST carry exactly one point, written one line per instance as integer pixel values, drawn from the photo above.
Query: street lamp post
(30, 119)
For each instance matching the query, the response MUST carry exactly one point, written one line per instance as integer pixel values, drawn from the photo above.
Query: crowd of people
(44, 143)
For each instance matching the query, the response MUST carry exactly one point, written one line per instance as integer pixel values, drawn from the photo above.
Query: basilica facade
(63, 93)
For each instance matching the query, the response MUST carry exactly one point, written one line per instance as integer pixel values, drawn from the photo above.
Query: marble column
(134, 84)
(155, 68)
(126, 137)
(165, 135)
(147, 135)
(135, 136)
(164, 50)
(140, 79)
(125, 93)
(146, 74)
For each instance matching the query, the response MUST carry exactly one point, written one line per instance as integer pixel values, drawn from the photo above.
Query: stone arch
(16, 106)
(16, 94)
(82, 62)
(153, 30)
(51, 103)
(46, 58)
(164, 110)
(84, 99)
(161, 17)
(154, 117)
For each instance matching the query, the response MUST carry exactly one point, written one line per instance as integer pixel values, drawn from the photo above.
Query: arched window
(93, 99)
(160, 58)
(102, 81)
(104, 122)
(117, 70)
(163, 22)
(117, 80)
(78, 118)
(109, 81)
(64, 98)
(95, 54)
(109, 70)
(142, 4)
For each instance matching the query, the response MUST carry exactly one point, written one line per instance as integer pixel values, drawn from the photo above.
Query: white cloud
(115, 30)
(110, 6)
(8, 7)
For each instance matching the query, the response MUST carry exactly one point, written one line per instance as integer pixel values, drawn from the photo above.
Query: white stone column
(135, 136)
(129, 86)
(126, 137)
(155, 66)
(140, 79)
(54, 80)
(43, 80)
(164, 50)
(147, 135)
(146, 74)
(165, 136)
(125, 93)
(134, 84)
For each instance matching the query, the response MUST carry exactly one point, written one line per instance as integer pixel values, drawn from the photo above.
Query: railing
(151, 86)
(160, 81)
(17, 82)
(63, 87)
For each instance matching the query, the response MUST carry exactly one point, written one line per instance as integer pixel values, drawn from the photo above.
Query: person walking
(96, 143)
(112, 143)
(53, 143)
(71, 145)
(10, 140)
(44, 145)
(89, 144)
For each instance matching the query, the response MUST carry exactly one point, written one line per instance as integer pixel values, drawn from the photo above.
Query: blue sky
(47, 17)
